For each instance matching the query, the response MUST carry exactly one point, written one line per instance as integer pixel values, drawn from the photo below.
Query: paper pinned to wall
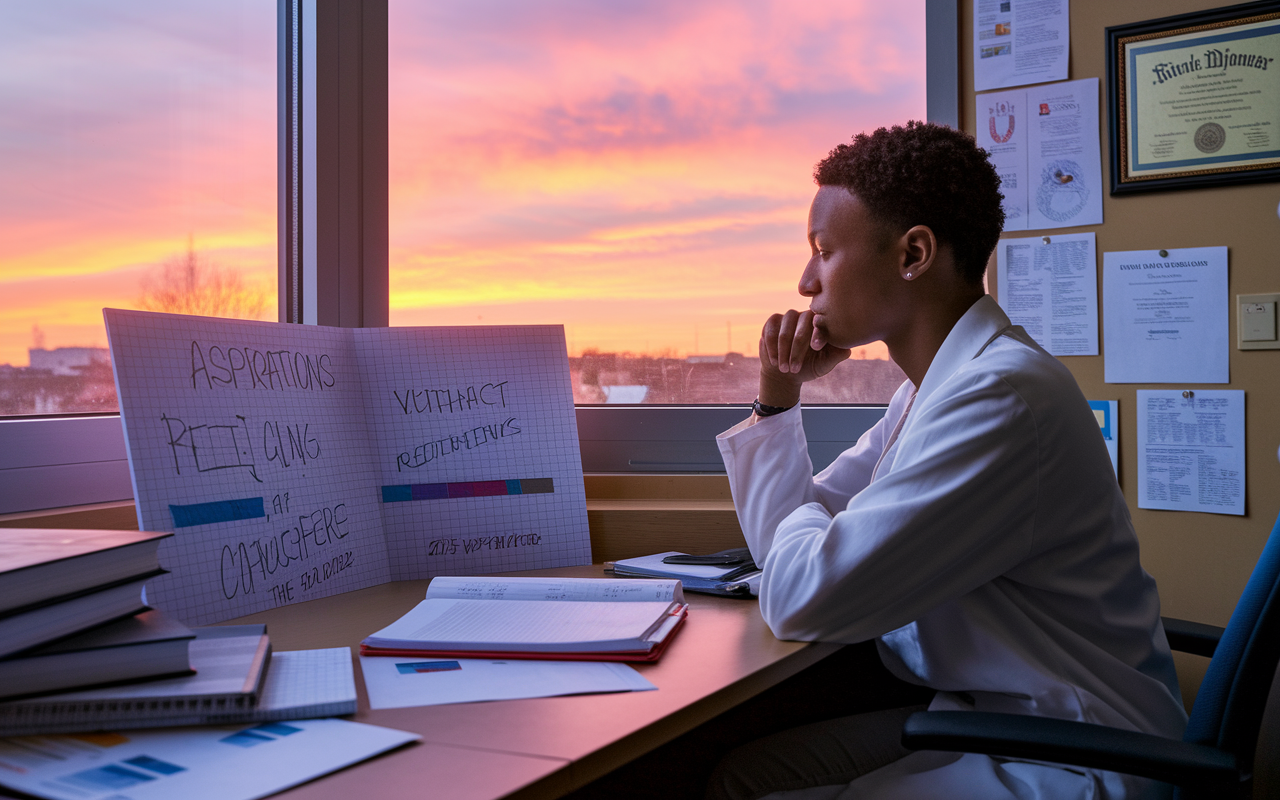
(1016, 42)
(1049, 286)
(1108, 416)
(1191, 450)
(1165, 316)
(300, 461)
(1045, 144)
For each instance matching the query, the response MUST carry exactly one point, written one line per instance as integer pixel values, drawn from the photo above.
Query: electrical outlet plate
(1256, 322)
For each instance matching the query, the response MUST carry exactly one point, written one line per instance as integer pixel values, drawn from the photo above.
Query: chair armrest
(1079, 743)
(1192, 637)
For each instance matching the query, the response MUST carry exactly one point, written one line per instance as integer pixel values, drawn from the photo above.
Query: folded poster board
(300, 461)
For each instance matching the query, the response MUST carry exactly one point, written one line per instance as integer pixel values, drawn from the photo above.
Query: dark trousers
(850, 682)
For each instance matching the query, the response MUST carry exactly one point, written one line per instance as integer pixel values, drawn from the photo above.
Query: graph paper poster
(298, 461)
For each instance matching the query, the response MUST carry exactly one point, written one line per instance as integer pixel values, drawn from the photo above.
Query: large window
(138, 155)
(637, 171)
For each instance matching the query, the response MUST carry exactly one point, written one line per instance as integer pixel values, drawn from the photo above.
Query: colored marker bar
(448, 491)
(219, 511)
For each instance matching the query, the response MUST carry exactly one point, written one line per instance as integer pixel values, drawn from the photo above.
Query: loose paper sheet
(1165, 317)
(300, 461)
(238, 762)
(1017, 42)
(1045, 144)
(1108, 415)
(1051, 289)
(1191, 453)
(403, 682)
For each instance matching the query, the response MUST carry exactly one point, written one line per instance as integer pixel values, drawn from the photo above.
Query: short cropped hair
(924, 174)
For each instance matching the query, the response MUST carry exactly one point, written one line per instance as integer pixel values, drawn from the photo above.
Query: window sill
(629, 515)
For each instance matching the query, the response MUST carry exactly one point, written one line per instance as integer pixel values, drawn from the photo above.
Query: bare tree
(191, 283)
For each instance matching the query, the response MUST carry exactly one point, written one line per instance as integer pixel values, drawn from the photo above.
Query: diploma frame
(1124, 98)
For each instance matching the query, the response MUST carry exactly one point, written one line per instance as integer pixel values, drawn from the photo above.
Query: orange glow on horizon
(639, 173)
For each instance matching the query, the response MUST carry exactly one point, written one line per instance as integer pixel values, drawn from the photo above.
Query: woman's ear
(919, 248)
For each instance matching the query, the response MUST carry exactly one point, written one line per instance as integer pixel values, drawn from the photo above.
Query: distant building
(69, 361)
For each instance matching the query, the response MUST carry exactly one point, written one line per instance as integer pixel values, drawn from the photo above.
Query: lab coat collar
(979, 327)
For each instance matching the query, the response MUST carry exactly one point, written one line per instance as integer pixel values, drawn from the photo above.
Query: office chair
(1214, 757)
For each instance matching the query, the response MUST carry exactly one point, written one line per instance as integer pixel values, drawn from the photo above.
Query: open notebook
(555, 618)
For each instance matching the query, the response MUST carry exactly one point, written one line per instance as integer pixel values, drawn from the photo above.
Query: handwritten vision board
(300, 461)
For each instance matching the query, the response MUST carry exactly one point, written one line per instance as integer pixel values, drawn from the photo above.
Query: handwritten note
(296, 462)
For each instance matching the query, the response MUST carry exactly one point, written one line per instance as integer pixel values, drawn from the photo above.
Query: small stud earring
(908, 276)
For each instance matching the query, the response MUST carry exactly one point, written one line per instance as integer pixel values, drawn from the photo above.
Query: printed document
(419, 681)
(228, 762)
(1165, 316)
(1045, 144)
(1049, 286)
(1018, 42)
(1191, 450)
(1108, 416)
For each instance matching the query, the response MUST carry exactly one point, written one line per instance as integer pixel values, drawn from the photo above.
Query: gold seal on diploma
(1210, 137)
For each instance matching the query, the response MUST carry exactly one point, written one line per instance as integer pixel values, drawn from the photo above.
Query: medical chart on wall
(1165, 316)
(1045, 144)
(1191, 450)
(1019, 42)
(1049, 286)
(300, 461)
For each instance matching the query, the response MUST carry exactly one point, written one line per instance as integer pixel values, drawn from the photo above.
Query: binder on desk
(537, 618)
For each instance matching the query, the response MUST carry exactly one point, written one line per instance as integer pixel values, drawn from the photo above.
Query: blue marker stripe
(218, 511)
(394, 494)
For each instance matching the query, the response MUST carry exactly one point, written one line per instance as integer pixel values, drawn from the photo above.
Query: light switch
(1258, 322)
(1256, 317)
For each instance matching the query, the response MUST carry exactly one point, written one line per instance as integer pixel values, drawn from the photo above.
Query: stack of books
(72, 611)
(80, 650)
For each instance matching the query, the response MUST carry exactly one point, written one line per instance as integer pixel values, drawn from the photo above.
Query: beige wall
(1201, 561)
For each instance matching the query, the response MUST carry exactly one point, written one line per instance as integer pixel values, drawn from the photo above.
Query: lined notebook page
(601, 589)
(519, 624)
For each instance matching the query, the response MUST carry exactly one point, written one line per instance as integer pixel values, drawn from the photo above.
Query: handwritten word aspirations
(1164, 265)
(449, 547)
(247, 368)
(249, 561)
(450, 401)
(469, 440)
(1213, 59)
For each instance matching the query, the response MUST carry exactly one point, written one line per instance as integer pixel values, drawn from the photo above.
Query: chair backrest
(1228, 708)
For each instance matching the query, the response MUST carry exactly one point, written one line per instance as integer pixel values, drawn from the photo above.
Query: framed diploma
(1194, 100)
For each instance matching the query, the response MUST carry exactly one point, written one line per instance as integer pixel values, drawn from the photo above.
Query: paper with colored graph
(299, 461)
(238, 762)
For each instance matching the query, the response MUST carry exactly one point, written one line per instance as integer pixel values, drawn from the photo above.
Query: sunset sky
(639, 171)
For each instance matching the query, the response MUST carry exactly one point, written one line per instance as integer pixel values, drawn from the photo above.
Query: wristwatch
(761, 410)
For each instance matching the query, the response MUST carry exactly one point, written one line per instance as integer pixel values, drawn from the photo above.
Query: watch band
(762, 410)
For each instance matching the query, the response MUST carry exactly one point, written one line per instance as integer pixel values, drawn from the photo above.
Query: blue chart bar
(445, 491)
(218, 511)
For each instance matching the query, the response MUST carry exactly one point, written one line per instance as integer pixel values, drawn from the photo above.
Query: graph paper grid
(480, 408)
(199, 431)
(268, 449)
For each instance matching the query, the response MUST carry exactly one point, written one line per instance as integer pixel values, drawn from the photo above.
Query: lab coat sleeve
(956, 511)
(770, 474)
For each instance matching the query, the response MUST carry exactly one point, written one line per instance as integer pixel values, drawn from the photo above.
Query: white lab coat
(989, 548)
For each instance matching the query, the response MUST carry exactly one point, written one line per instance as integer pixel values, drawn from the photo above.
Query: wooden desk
(544, 747)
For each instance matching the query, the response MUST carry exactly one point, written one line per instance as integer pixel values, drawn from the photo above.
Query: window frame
(335, 203)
